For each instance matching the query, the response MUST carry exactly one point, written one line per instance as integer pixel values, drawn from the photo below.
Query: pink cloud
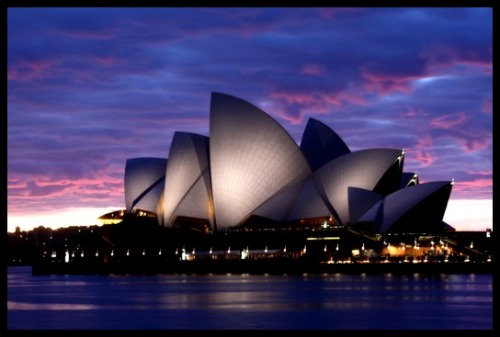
(16, 183)
(293, 119)
(449, 120)
(476, 183)
(319, 99)
(475, 144)
(49, 188)
(421, 152)
(296, 105)
(412, 112)
(30, 70)
(474, 188)
(50, 181)
(385, 84)
(311, 103)
(480, 172)
(446, 56)
(296, 97)
(486, 66)
(424, 157)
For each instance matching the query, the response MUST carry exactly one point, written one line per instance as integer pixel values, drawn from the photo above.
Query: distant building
(250, 170)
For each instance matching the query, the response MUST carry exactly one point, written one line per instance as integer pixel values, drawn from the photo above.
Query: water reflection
(49, 306)
(330, 301)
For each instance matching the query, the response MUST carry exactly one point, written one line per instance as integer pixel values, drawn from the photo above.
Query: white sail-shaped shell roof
(362, 169)
(279, 205)
(301, 200)
(309, 203)
(251, 158)
(144, 183)
(187, 183)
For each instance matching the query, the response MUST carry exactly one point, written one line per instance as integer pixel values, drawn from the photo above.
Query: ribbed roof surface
(187, 191)
(252, 157)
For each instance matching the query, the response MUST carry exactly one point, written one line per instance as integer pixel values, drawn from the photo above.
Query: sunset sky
(89, 88)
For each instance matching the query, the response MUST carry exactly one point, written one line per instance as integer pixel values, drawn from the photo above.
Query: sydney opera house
(249, 172)
(248, 198)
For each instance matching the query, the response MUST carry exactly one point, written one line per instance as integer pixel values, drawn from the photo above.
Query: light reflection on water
(330, 301)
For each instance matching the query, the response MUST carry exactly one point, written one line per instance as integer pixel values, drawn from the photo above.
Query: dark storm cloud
(89, 88)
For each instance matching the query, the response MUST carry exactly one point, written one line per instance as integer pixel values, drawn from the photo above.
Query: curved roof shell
(278, 206)
(144, 183)
(361, 169)
(301, 200)
(416, 208)
(409, 179)
(360, 201)
(187, 183)
(251, 158)
(320, 144)
(309, 203)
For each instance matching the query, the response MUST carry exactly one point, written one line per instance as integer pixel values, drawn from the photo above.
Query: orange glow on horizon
(463, 215)
(65, 218)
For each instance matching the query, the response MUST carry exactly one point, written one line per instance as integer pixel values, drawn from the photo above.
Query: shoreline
(260, 267)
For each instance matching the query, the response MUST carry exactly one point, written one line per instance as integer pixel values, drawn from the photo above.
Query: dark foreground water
(244, 302)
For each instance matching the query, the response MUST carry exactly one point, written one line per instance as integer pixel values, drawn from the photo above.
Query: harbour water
(249, 302)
